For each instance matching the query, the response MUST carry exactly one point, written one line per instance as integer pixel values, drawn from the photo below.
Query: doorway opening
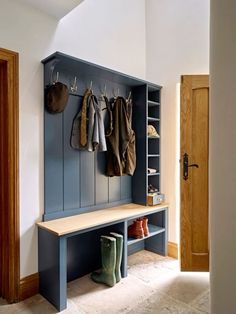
(9, 176)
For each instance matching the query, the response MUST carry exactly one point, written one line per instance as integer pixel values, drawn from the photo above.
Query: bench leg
(124, 263)
(53, 268)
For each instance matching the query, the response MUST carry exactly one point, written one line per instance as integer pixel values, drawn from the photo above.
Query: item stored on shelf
(136, 230)
(152, 170)
(144, 221)
(111, 252)
(155, 198)
(152, 131)
(119, 251)
(108, 253)
(139, 228)
(152, 189)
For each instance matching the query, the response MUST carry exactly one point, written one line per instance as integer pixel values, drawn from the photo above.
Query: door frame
(9, 174)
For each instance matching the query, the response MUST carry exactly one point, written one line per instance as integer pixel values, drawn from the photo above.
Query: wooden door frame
(9, 174)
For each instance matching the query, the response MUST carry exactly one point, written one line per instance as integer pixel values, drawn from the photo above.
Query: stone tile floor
(154, 285)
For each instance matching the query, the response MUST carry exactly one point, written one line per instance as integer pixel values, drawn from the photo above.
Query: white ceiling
(56, 8)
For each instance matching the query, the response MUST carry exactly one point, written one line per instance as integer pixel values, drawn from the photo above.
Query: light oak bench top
(63, 226)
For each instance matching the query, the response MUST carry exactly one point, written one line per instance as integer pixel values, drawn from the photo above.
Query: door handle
(186, 166)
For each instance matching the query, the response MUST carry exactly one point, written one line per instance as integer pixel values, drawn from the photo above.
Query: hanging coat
(88, 128)
(96, 132)
(121, 141)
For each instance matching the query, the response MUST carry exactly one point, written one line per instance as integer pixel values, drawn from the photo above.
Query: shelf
(153, 230)
(153, 137)
(153, 119)
(154, 174)
(153, 155)
(152, 103)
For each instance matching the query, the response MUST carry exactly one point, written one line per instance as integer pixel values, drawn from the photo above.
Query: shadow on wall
(54, 8)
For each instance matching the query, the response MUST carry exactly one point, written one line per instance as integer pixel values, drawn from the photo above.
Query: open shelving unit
(147, 99)
(153, 146)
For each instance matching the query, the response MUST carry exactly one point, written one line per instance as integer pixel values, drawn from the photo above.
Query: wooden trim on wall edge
(173, 250)
(29, 286)
(10, 132)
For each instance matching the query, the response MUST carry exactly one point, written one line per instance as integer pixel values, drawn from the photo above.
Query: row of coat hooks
(74, 87)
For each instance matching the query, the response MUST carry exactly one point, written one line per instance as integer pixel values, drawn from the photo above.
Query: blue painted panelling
(76, 181)
(87, 179)
(126, 191)
(53, 163)
(101, 179)
(71, 159)
(114, 189)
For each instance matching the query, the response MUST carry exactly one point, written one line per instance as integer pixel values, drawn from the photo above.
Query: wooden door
(194, 133)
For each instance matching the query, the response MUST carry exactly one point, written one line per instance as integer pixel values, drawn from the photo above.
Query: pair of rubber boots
(111, 251)
(139, 228)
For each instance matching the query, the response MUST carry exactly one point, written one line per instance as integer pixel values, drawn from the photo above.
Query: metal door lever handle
(186, 166)
(194, 165)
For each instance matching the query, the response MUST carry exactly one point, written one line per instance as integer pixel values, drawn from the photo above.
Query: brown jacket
(121, 142)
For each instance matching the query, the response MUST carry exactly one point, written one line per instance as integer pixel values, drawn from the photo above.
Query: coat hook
(118, 91)
(57, 77)
(129, 96)
(74, 86)
(105, 90)
(91, 85)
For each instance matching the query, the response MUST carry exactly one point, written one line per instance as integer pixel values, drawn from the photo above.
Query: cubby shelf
(153, 137)
(152, 103)
(154, 174)
(153, 230)
(153, 155)
(153, 119)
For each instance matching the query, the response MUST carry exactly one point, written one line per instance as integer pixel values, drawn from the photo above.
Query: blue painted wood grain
(53, 268)
(71, 159)
(114, 189)
(53, 163)
(87, 179)
(126, 187)
(102, 181)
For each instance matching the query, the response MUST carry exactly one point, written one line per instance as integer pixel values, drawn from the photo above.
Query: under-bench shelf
(153, 230)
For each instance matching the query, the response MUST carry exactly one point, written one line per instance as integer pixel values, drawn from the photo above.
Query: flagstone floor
(154, 285)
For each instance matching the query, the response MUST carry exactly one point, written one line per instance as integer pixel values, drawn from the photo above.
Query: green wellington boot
(108, 252)
(119, 252)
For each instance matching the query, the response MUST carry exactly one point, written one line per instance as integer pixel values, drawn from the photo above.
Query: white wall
(177, 37)
(223, 156)
(110, 33)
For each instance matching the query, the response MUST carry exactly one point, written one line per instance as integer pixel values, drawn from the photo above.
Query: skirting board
(173, 250)
(29, 286)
